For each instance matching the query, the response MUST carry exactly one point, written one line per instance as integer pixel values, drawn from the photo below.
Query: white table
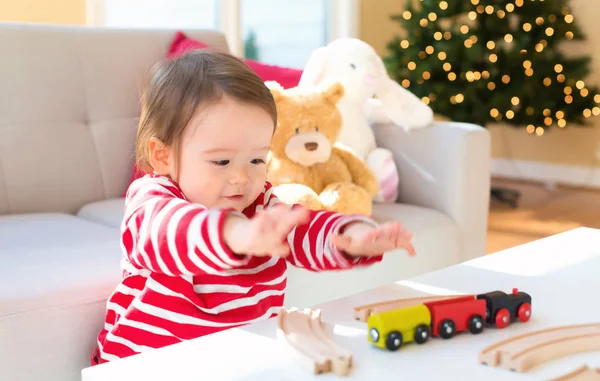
(562, 273)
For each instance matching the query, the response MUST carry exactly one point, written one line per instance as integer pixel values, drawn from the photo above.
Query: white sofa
(68, 110)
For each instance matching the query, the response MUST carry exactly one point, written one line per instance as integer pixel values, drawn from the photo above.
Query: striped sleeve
(310, 244)
(164, 233)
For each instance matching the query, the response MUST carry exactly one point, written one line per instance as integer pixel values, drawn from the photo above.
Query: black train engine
(502, 309)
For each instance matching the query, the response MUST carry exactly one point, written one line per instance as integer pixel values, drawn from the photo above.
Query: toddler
(205, 240)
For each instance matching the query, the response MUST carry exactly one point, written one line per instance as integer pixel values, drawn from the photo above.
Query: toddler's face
(224, 153)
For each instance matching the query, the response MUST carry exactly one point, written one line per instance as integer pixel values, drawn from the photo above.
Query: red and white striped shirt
(180, 281)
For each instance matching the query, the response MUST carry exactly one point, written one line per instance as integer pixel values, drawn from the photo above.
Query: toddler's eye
(297, 130)
(258, 161)
(221, 162)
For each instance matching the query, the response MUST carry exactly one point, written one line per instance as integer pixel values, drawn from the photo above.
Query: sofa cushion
(56, 272)
(415, 218)
(52, 260)
(106, 212)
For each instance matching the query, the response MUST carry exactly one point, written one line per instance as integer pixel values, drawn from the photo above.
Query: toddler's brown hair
(178, 87)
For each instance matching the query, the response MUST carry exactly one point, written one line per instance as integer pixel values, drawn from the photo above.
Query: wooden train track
(583, 373)
(363, 312)
(522, 353)
(303, 331)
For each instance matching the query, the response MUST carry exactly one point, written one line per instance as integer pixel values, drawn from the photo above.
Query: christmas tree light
(485, 61)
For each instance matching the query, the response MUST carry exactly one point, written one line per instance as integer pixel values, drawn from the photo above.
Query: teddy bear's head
(308, 122)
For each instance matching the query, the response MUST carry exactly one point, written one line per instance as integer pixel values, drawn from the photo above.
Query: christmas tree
(486, 61)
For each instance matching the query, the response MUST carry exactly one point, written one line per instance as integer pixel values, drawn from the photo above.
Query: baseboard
(580, 176)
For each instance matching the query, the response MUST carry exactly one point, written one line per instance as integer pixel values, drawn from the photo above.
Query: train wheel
(502, 319)
(447, 329)
(421, 334)
(393, 341)
(476, 324)
(524, 312)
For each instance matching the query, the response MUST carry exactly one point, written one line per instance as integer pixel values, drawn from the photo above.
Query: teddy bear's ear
(276, 89)
(334, 92)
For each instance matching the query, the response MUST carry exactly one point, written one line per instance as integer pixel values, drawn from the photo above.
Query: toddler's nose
(240, 177)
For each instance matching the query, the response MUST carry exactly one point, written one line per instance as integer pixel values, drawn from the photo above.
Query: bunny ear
(314, 69)
(400, 105)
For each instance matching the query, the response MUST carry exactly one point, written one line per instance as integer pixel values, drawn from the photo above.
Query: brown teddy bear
(305, 164)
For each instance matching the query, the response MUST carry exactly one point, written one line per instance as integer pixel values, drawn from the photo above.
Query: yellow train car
(391, 329)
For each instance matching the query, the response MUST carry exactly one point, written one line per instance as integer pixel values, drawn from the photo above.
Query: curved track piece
(584, 373)
(523, 352)
(303, 331)
(363, 312)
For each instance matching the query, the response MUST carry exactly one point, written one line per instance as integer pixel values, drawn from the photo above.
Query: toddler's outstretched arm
(164, 233)
(310, 243)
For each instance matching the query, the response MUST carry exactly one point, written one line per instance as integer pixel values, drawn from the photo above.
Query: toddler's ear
(160, 157)
(276, 89)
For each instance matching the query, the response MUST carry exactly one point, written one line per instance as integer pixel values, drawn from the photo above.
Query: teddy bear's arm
(361, 174)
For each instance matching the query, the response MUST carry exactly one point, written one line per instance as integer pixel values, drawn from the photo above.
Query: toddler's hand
(361, 239)
(265, 233)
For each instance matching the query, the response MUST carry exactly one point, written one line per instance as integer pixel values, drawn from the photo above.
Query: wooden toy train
(446, 317)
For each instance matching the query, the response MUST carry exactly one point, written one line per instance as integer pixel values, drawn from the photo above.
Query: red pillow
(286, 77)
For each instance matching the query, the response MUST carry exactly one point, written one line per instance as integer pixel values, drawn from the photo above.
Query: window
(300, 27)
(185, 14)
(279, 32)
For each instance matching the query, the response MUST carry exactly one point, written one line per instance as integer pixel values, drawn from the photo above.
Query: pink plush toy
(356, 65)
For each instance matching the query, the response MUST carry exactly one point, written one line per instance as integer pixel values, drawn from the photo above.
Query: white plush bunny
(356, 65)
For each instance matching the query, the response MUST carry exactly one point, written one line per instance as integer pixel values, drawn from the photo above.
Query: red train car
(451, 316)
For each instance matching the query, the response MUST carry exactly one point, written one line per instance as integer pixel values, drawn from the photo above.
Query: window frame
(344, 20)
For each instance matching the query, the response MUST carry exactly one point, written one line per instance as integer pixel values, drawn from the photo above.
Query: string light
(571, 88)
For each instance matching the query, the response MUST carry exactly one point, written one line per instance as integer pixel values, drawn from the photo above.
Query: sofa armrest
(445, 167)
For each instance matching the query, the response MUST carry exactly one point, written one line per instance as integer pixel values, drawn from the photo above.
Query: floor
(541, 213)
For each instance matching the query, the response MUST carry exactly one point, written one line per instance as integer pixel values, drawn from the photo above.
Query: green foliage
(251, 50)
(484, 61)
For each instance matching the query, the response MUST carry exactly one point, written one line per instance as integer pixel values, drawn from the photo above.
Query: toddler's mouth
(236, 197)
